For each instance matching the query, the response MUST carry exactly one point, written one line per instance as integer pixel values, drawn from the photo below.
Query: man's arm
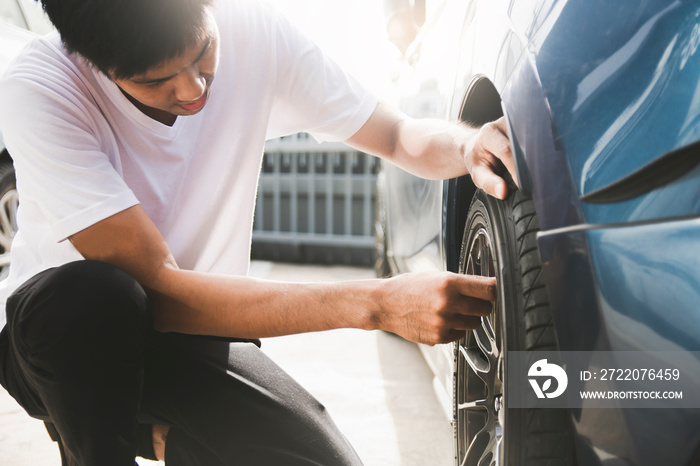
(428, 308)
(437, 149)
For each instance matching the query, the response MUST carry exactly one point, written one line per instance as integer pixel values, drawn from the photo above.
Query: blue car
(597, 253)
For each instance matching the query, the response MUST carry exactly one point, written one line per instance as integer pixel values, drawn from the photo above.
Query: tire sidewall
(7, 178)
(7, 184)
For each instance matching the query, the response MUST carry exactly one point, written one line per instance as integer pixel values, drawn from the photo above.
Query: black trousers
(79, 352)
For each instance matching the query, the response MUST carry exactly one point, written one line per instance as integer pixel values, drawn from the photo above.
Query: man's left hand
(438, 150)
(489, 155)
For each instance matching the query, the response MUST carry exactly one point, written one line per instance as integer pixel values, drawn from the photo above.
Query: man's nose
(190, 85)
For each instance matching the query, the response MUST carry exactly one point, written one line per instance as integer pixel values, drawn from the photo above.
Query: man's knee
(84, 299)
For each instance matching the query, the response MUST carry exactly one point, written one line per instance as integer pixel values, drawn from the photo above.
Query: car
(596, 253)
(18, 18)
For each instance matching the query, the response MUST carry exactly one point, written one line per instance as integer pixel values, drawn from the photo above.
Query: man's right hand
(428, 308)
(435, 308)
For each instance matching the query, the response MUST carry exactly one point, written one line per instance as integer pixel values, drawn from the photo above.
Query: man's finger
(467, 323)
(455, 335)
(476, 307)
(475, 286)
(492, 184)
(502, 149)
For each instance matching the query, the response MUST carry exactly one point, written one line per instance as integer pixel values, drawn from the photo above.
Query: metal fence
(316, 203)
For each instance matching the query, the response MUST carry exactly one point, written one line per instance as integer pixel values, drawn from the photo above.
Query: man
(137, 139)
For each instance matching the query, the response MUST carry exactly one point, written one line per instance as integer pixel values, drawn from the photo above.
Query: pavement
(376, 386)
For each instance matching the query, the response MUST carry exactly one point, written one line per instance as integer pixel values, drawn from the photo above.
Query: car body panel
(629, 288)
(553, 190)
(646, 276)
(594, 92)
(621, 83)
(637, 287)
(420, 250)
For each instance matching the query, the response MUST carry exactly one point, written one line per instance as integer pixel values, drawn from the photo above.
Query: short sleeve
(314, 94)
(61, 168)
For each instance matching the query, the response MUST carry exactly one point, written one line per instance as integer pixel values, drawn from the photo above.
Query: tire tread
(548, 438)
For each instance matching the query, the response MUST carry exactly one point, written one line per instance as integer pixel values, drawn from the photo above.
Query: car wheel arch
(481, 104)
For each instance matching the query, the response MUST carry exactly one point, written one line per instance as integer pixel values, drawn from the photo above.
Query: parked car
(17, 19)
(598, 250)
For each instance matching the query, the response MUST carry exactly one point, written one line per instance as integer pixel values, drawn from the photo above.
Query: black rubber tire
(7, 187)
(531, 437)
(7, 177)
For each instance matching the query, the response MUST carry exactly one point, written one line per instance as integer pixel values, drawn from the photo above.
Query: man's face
(179, 86)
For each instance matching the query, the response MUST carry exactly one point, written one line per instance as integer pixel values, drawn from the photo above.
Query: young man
(137, 137)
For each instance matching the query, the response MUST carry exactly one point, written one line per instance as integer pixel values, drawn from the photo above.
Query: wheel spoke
(471, 265)
(5, 222)
(477, 447)
(5, 242)
(475, 361)
(489, 456)
(9, 203)
(487, 325)
(8, 219)
(485, 254)
(479, 258)
(483, 340)
(4, 259)
(490, 334)
(476, 405)
(498, 455)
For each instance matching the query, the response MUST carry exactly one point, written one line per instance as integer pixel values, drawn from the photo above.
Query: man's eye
(155, 84)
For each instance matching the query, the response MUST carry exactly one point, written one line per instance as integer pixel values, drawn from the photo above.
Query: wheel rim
(8, 228)
(479, 397)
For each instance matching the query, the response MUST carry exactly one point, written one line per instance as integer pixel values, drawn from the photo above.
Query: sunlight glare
(353, 34)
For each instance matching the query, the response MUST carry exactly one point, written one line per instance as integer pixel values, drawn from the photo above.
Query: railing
(315, 203)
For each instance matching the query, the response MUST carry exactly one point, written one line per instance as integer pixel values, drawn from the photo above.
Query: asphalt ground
(376, 386)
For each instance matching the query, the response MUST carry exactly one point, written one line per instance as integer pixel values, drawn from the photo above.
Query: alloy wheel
(479, 394)
(8, 228)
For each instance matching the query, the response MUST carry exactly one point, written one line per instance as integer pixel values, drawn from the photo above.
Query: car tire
(8, 214)
(500, 240)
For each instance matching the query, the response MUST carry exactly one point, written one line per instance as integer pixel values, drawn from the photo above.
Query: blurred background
(316, 202)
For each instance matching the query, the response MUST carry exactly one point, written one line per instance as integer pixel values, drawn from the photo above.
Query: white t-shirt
(83, 152)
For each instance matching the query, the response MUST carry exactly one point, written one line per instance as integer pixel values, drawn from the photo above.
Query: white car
(20, 21)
